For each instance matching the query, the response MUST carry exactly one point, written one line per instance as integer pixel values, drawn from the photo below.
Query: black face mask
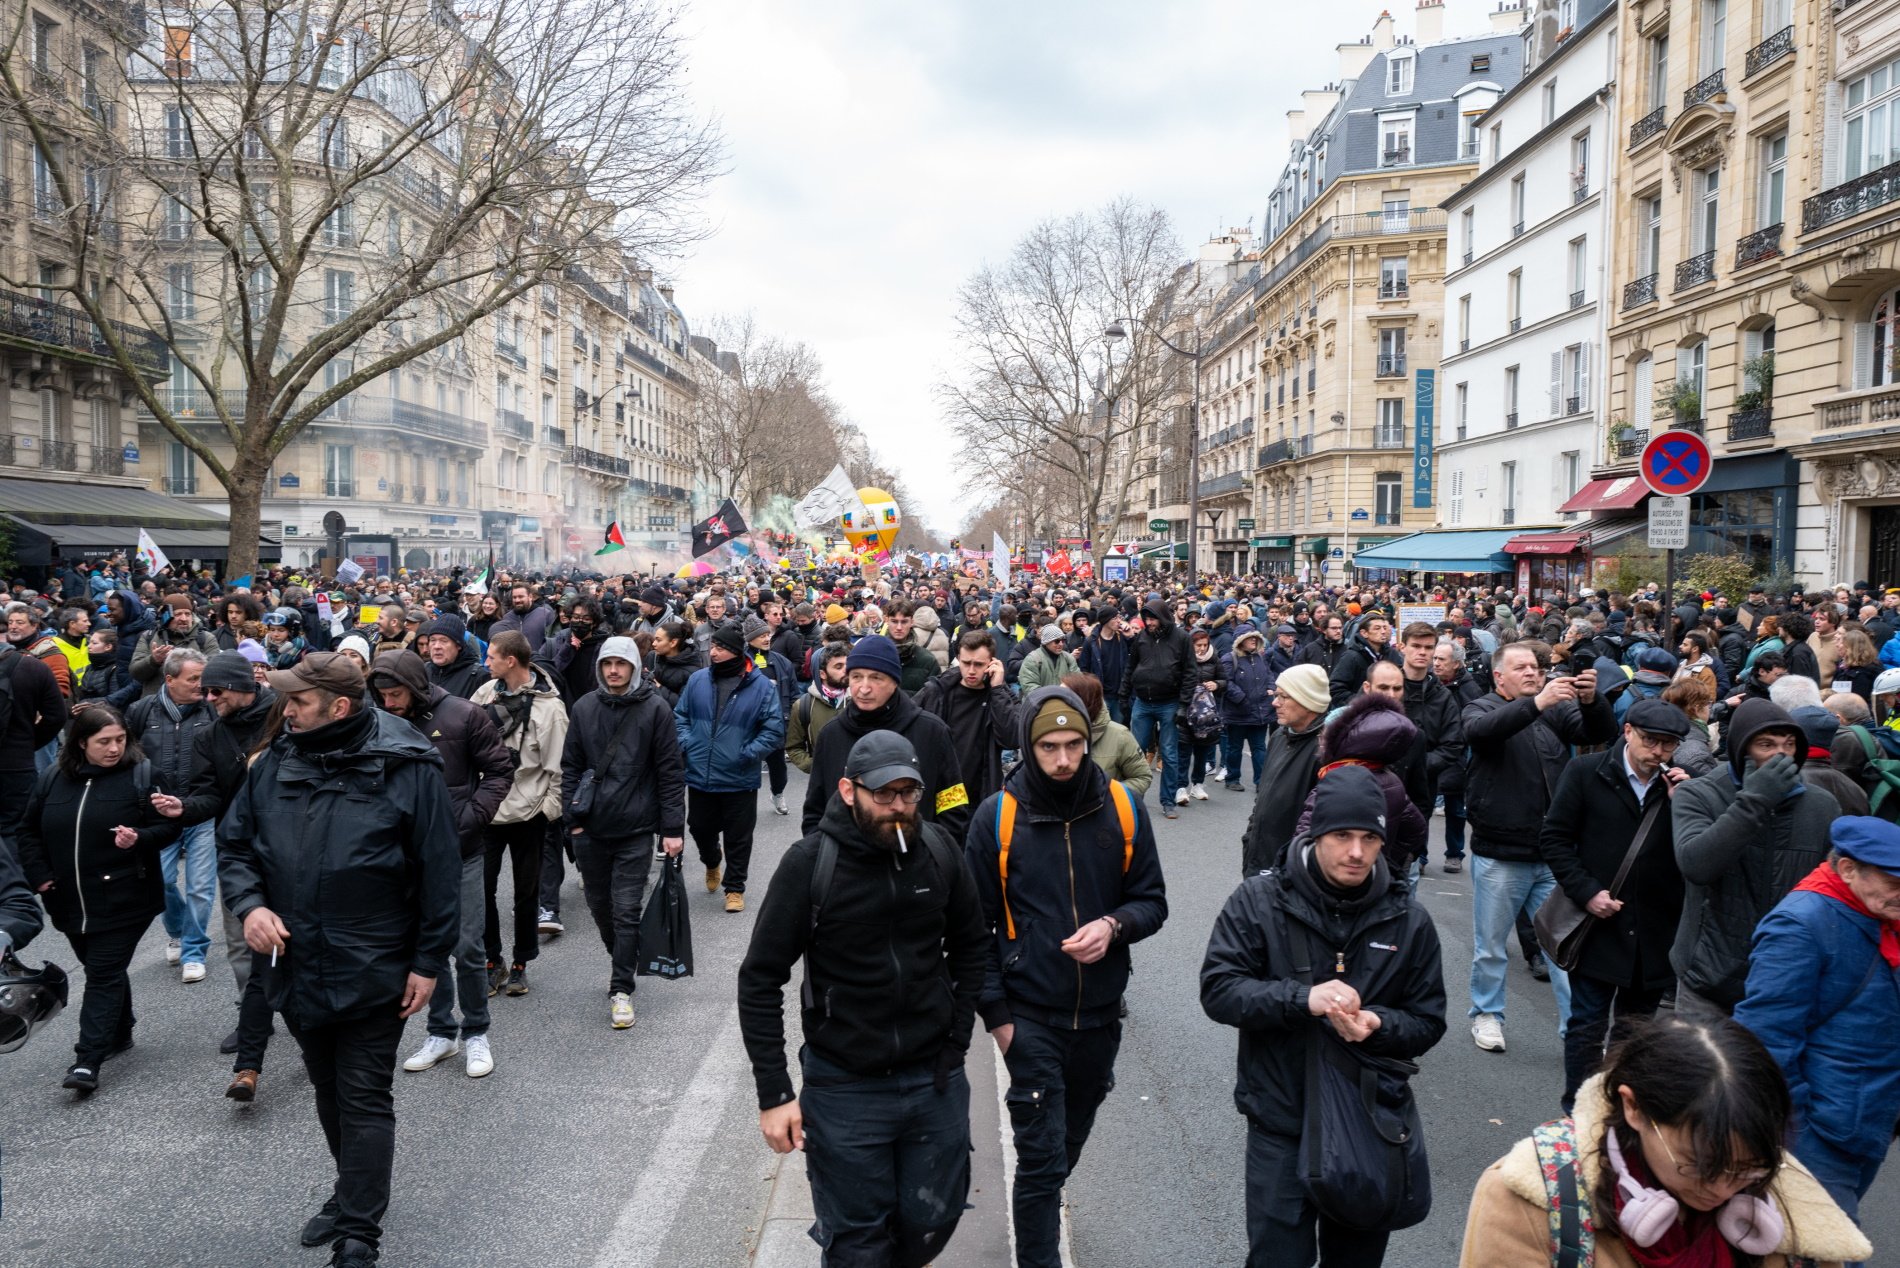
(581, 629)
(728, 668)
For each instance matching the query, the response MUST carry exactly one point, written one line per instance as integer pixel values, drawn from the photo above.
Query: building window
(1467, 225)
(1386, 489)
(1392, 283)
(1659, 73)
(1774, 178)
(1872, 120)
(1510, 395)
(44, 32)
(1514, 298)
(1580, 164)
(1461, 407)
(181, 469)
(1507, 480)
(339, 471)
(181, 300)
(339, 227)
(1395, 141)
(1569, 473)
(178, 52)
(1392, 350)
(1740, 522)
(339, 295)
(1775, 14)
(1570, 380)
(1497, 142)
(1876, 348)
(1579, 268)
(1643, 391)
(1708, 186)
(1550, 102)
(1692, 368)
(1455, 496)
(1398, 75)
(1464, 322)
(177, 124)
(1390, 431)
(1649, 245)
(1714, 36)
(1517, 204)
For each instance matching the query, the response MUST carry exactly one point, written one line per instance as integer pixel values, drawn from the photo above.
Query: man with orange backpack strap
(1065, 865)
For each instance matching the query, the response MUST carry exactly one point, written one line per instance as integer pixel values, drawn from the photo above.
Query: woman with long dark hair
(483, 613)
(674, 658)
(89, 845)
(1674, 1158)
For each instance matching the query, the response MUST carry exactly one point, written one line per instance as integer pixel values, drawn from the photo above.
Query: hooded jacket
(723, 747)
(149, 673)
(919, 666)
(136, 623)
(477, 767)
(1373, 732)
(946, 796)
(813, 709)
(628, 743)
(220, 755)
(894, 962)
(670, 673)
(1112, 747)
(1160, 668)
(349, 838)
(929, 634)
(533, 724)
(1248, 698)
(1740, 854)
(1067, 867)
(65, 836)
(1282, 921)
(982, 725)
(1354, 662)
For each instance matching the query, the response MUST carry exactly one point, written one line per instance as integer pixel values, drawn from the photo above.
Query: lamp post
(1116, 331)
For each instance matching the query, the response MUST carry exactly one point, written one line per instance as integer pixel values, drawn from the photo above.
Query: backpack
(1125, 810)
(1573, 1238)
(1883, 772)
(821, 872)
(1203, 715)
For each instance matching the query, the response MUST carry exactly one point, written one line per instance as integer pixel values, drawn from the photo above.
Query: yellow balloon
(874, 527)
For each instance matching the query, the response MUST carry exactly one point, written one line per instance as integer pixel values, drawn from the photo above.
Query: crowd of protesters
(1687, 821)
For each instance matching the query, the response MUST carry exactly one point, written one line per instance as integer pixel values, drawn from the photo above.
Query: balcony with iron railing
(359, 411)
(1394, 290)
(1850, 198)
(1641, 291)
(397, 493)
(1400, 156)
(508, 352)
(1508, 516)
(1576, 299)
(512, 425)
(40, 321)
(1708, 88)
(554, 436)
(441, 497)
(59, 455)
(107, 461)
(1579, 190)
(1752, 424)
(550, 370)
(1646, 127)
(593, 460)
(1468, 149)
(1695, 270)
(1384, 437)
(1510, 421)
(334, 487)
(1227, 482)
(1630, 442)
(181, 486)
(1391, 366)
(1768, 52)
(578, 276)
(1573, 405)
(1387, 519)
(1763, 244)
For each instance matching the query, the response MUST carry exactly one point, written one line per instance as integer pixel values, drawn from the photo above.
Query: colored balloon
(873, 527)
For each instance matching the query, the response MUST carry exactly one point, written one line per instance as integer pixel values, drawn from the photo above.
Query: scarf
(1693, 1241)
(1827, 882)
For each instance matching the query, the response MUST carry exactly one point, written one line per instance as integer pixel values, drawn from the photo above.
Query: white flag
(828, 503)
(999, 560)
(151, 558)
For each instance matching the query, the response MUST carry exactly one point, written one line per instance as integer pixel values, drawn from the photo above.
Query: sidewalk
(982, 1237)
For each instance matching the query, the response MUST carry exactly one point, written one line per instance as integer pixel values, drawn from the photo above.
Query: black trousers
(254, 1013)
(1591, 1002)
(105, 1011)
(613, 880)
(1284, 1228)
(15, 785)
(713, 817)
(775, 769)
(522, 843)
(1057, 1080)
(554, 853)
(352, 1065)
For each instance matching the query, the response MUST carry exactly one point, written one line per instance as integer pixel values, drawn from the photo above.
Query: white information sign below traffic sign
(1668, 523)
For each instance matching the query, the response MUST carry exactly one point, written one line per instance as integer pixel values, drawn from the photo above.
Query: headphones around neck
(1746, 1222)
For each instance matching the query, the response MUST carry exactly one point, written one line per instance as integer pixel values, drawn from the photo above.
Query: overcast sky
(880, 151)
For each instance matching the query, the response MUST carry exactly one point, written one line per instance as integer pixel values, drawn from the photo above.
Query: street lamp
(1114, 331)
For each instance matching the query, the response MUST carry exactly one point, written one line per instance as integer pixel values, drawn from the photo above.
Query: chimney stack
(1354, 58)
(1430, 20)
(1296, 127)
(1382, 37)
(1507, 18)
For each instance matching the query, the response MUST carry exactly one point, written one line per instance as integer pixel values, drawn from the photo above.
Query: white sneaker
(1181, 796)
(1218, 776)
(480, 1060)
(435, 1048)
(620, 1006)
(550, 924)
(1487, 1031)
(194, 972)
(1200, 792)
(173, 950)
(778, 804)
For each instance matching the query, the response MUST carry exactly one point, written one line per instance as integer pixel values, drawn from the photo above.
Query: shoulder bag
(1562, 926)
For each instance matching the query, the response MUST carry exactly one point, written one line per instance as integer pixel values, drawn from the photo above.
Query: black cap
(1348, 797)
(881, 759)
(1657, 717)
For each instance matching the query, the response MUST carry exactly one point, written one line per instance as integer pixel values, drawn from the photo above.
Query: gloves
(1774, 779)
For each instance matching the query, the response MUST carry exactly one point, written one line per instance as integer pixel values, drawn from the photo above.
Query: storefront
(1550, 565)
(1273, 555)
(1453, 557)
(1748, 508)
(1312, 558)
(1232, 556)
(76, 520)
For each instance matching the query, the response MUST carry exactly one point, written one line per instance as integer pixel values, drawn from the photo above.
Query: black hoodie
(1160, 667)
(946, 799)
(894, 965)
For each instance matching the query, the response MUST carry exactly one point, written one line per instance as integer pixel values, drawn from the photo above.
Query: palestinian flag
(614, 540)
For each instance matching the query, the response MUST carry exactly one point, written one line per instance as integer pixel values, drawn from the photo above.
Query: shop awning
(1447, 550)
(1620, 494)
(1313, 546)
(1545, 544)
(77, 518)
(1604, 532)
(1179, 549)
(1273, 543)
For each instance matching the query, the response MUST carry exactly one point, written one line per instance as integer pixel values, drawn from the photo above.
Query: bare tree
(301, 196)
(1052, 414)
(766, 425)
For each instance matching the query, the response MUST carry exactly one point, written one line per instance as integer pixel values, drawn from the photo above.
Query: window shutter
(1556, 384)
(1583, 376)
(1645, 392)
(1863, 354)
(1831, 129)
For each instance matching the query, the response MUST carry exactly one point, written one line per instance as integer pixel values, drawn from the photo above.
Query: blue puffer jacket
(1827, 1006)
(725, 757)
(1248, 700)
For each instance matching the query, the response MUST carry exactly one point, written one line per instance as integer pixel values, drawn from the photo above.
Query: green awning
(1475, 550)
(1179, 548)
(1313, 546)
(1273, 543)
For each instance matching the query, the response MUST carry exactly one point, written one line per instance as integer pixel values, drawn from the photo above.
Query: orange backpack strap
(1005, 828)
(1126, 812)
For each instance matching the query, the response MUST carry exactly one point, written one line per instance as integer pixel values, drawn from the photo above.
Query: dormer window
(1398, 74)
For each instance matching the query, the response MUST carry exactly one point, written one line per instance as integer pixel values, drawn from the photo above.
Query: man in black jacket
(978, 709)
(453, 665)
(479, 769)
(623, 782)
(1157, 684)
(1520, 736)
(1434, 711)
(339, 854)
(571, 651)
(1332, 948)
(887, 1017)
(32, 714)
(1299, 708)
(1084, 883)
(874, 703)
(1602, 802)
(1104, 653)
(1371, 644)
(166, 726)
(1324, 650)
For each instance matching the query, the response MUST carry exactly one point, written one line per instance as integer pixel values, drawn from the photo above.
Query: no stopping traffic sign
(1675, 463)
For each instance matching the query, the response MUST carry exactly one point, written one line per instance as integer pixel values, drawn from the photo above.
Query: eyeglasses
(891, 796)
(1667, 743)
(1747, 1177)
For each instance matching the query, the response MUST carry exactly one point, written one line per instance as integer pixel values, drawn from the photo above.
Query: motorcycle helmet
(29, 998)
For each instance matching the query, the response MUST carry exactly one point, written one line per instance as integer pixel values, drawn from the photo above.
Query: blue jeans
(1231, 743)
(466, 974)
(1115, 711)
(1498, 892)
(1152, 723)
(1845, 1176)
(1454, 824)
(188, 914)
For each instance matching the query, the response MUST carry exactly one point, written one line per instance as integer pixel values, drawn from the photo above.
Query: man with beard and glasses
(887, 1017)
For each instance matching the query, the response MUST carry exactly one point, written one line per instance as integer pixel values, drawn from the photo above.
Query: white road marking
(1009, 1162)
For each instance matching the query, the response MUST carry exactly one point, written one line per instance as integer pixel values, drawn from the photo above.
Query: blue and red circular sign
(1675, 463)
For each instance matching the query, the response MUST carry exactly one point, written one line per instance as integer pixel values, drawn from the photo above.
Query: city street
(588, 1146)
